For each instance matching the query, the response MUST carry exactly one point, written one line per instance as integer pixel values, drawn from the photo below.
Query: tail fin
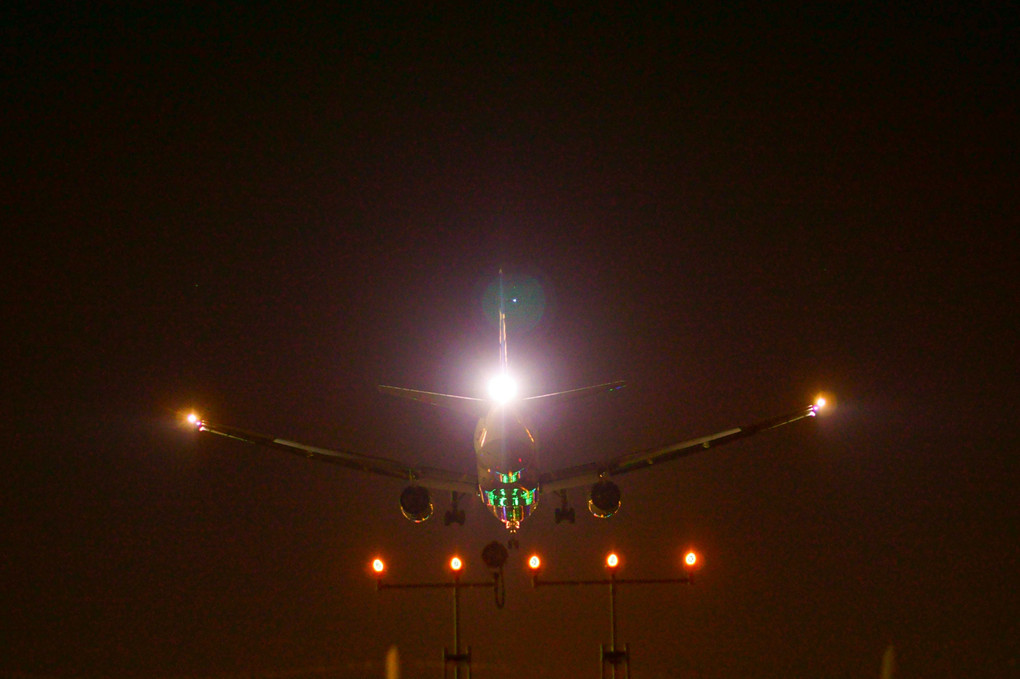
(504, 364)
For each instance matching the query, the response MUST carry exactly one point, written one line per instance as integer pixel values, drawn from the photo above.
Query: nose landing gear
(512, 526)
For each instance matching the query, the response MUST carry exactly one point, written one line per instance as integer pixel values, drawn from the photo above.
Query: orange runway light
(378, 566)
(690, 559)
(456, 564)
(534, 563)
(612, 561)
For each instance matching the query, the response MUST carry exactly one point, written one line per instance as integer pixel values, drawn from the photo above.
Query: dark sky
(264, 214)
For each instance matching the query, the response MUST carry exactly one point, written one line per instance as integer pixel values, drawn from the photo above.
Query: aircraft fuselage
(506, 452)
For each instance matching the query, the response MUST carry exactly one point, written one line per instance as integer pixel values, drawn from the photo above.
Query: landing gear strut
(564, 512)
(454, 515)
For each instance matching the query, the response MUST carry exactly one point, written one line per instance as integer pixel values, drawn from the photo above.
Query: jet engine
(416, 504)
(604, 500)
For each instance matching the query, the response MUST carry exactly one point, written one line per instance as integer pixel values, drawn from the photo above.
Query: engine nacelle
(604, 499)
(416, 504)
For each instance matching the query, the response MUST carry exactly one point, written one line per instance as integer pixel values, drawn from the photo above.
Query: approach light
(612, 561)
(378, 566)
(690, 559)
(534, 563)
(456, 564)
(502, 388)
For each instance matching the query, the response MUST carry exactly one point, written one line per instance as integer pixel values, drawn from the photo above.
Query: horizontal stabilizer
(465, 404)
(561, 396)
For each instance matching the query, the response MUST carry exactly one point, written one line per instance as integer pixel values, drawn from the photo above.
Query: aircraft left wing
(588, 474)
(437, 479)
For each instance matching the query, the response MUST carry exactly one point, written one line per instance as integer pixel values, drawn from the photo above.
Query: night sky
(263, 214)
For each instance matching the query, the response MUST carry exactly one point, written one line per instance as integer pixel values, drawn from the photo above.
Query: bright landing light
(502, 388)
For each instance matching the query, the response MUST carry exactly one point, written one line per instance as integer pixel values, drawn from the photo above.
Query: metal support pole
(612, 616)
(614, 658)
(613, 655)
(456, 657)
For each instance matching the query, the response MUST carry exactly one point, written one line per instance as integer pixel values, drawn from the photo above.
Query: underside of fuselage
(506, 451)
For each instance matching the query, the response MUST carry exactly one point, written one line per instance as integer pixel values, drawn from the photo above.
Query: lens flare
(502, 388)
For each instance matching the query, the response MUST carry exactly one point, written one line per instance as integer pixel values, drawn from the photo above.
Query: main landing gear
(564, 512)
(455, 514)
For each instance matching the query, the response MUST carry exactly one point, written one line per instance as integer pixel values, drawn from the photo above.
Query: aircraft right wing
(588, 474)
(437, 479)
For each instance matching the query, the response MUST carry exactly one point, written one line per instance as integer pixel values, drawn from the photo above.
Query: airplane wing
(437, 479)
(587, 474)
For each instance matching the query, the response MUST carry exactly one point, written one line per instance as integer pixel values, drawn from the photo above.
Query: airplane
(506, 479)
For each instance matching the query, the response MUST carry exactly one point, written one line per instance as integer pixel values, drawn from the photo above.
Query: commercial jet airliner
(507, 479)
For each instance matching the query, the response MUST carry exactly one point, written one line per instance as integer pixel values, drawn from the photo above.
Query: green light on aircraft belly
(510, 497)
(512, 477)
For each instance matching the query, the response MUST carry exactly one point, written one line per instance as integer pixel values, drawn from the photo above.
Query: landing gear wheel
(565, 515)
(454, 516)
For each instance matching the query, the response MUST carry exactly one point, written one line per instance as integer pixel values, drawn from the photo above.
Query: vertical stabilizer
(504, 369)
(502, 387)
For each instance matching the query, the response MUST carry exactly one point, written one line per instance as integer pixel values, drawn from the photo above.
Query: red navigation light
(612, 561)
(534, 563)
(456, 564)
